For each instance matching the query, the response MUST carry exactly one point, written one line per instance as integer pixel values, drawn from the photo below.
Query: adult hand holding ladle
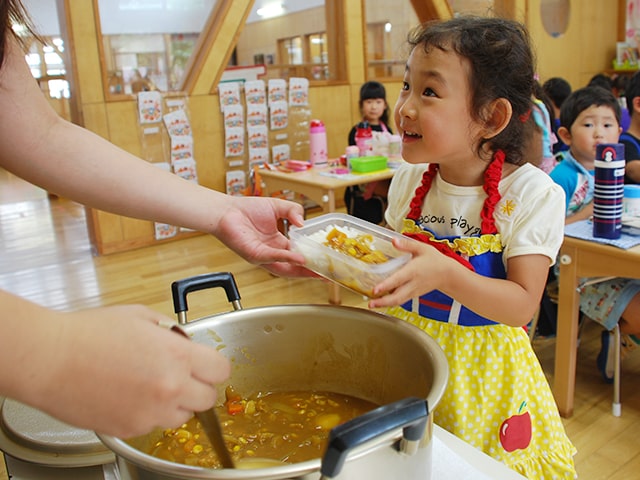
(209, 420)
(212, 428)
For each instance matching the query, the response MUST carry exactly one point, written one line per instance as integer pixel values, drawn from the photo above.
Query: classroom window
(386, 30)
(147, 44)
(294, 43)
(47, 66)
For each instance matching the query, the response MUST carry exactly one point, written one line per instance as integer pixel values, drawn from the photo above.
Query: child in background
(542, 108)
(489, 225)
(557, 90)
(369, 201)
(605, 81)
(631, 138)
(591, 116)
(373, 108)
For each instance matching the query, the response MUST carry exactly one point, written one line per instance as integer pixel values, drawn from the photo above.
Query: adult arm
(112, 369)
(75, 163)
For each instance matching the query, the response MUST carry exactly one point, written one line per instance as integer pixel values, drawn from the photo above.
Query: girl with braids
(496, 223)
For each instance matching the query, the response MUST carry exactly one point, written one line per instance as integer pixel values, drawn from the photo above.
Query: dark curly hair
(502, 66)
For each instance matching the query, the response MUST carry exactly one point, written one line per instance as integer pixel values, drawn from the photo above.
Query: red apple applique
(515, 431)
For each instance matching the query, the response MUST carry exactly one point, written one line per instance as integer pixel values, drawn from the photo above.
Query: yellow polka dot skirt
(498, 399)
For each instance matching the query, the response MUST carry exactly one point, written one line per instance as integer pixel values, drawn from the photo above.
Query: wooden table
(322, 189)
(581, 258)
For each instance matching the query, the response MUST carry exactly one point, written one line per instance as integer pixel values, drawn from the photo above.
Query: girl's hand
(426, 271)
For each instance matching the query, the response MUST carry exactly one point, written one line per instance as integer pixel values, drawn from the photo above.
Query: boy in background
(591, 116)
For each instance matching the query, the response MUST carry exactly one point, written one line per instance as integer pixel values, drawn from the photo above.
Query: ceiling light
(271, 10)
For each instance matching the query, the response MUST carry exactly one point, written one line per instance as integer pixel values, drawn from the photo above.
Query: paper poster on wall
(277, 90)
(234, 142)
(177, 123)
(164, 231)
(233, 116)
(280, 153)
(298, 92)
(236, 183)
(633, 24)
(229, 94)
(279, 115)
(257, 115)
(186, 168)
(149, 107)
(255, 92)
(258, 137)
(181, 148)
(258, 156)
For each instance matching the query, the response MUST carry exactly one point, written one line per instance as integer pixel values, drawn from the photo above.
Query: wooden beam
(215, 46)
(432, 10)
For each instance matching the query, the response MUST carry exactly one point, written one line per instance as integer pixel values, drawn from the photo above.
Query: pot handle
(180, 289)
(410, 414)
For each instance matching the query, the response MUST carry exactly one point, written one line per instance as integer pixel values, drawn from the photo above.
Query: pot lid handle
(180, 289)
(410, 414)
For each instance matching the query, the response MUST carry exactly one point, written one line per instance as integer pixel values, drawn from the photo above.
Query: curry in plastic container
(349, 251)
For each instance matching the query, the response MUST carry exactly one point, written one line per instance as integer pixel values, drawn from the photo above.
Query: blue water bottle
(608, 190)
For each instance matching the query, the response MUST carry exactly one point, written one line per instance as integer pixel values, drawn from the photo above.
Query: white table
(453, 459)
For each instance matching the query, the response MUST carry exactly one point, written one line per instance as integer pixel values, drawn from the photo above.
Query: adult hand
(115, 371)
(249, 227)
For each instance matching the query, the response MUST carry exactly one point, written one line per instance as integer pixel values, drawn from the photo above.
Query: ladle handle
(410, 414)
(181, 288)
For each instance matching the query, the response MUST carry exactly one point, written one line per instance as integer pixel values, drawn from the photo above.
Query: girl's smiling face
(433, 111)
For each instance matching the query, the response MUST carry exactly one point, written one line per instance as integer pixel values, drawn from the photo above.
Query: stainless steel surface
(315, 347)
(21, 470)
(33, 436)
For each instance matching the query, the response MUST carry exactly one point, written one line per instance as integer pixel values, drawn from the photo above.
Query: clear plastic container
(346, 270)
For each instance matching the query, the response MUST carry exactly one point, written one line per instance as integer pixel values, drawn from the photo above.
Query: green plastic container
(368, 164)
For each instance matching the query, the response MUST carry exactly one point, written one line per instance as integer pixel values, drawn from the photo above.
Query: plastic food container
(631, 200)
(368, 164)
(342, 268)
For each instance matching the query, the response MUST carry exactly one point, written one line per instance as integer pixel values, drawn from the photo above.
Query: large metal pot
(318, 347)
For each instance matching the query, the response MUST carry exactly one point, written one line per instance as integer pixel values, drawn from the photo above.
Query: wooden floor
(46, 257)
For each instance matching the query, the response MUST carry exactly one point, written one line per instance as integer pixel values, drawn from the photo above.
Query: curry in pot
(290, 427)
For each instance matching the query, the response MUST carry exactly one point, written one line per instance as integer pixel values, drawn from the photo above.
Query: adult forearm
(103, 176)
(27, 342)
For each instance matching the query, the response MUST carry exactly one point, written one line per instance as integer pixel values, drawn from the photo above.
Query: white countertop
(453, 459)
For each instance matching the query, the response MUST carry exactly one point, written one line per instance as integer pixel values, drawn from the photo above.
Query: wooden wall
(587, 48)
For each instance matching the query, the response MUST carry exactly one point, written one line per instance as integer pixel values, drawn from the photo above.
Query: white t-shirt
(529, 217)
